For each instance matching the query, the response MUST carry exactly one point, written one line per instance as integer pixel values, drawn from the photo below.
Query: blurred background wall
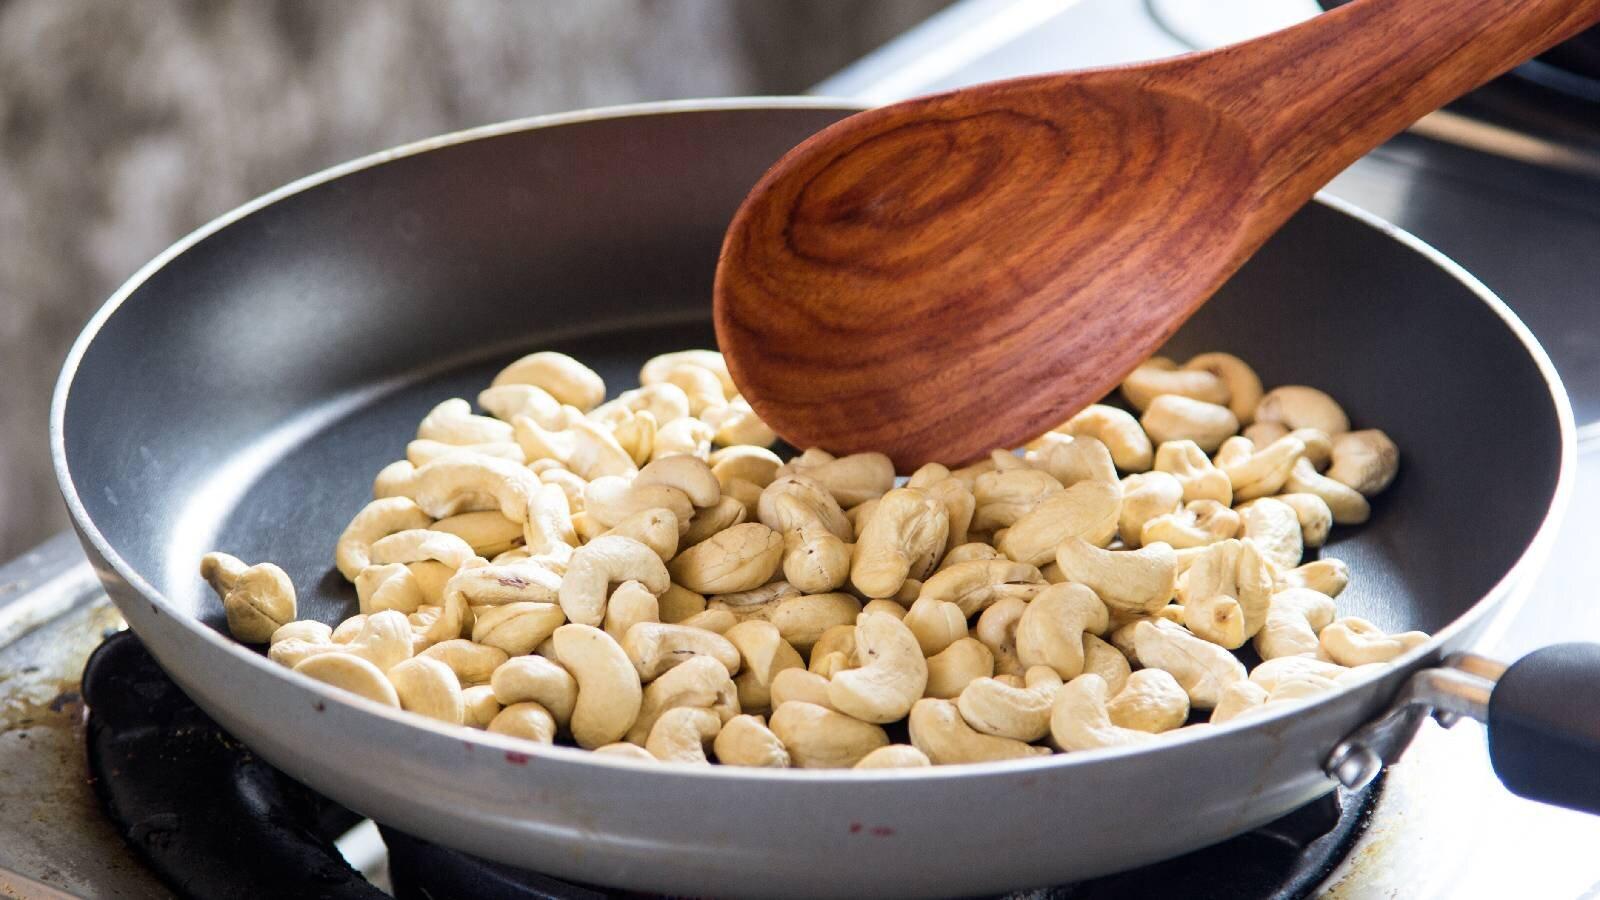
(125, 125)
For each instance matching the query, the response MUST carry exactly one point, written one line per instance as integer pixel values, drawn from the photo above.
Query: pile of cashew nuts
(643, 577)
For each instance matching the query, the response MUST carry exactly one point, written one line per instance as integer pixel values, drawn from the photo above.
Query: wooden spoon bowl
(939, 277)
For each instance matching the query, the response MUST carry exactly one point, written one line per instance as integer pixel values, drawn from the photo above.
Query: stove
(1506, 181)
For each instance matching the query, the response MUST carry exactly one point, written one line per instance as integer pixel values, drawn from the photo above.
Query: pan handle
(1542, 715)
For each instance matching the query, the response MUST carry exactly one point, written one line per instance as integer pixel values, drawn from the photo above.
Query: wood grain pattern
(963, 271)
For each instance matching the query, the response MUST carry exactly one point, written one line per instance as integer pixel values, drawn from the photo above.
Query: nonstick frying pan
(241, 391)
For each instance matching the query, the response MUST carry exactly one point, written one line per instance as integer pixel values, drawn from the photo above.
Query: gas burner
(214, 820)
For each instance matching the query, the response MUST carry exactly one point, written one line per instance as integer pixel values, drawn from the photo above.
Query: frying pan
(241, 391)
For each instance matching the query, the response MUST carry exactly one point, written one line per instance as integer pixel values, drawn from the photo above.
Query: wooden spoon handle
(1319, 95)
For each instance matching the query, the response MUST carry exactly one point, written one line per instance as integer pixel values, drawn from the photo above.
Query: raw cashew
(664, 402)
(441, 487)
(583, 447)
(495, 585)
(656, 369)
(1274, 527)
(1347, 504)
(1079, 720)
(903, 539)
(757, 465)
(894, 756)
(721, 516)
(654, 528)
(422, 544)
(792, 685)
(1070, 461)
(352, 673)
(626, 751)
(756, 597)
(452, 422)
(533, 678)
(1202, 668)
(939, 731)
(257, 599)
(738, 559)
(975, 585)
(1145, 496)
(686, 473)
(564, 378)
(683, 437)
(1088, 509)
(763, 653)
(1242, 383)
(802, 620)
(1274, 672)
(818, 505)
(837, 642)
(528, 721)
(935, 623)
(997, 629)
(1151, 701)
(1226, 593)
(1126, 581)
(892, 676)
(679, 603)
(471, 663)
(820, 738)
(1316, 519)
(427, 686)
(609, 692)
(630, 604)
(1004, 497)
(703, 388)
(1050, 631)
(958, 504)
(1106, 661)
(654, 648)
(611, 499)
(601, 563)
(815, 559)
(852, 479)
(1198, 524)
(1298, 406)
(1171, 417)
(971, 552)
(508, 401)
(1327, 576)
(1365, 460)
(1129, 445)
(423, 452)
(478, 706)
(1353, 641)
(717, 621)
(701, 682)
(375, 521)
(1294, 617)
(1236, 700)
(1259, 473)
(1200, 480)
(1151, 380)
(1022, 714)
(747, 741)
(488, 533)
(953, 668)
(516, 628)
(887, 606)
(736, 424)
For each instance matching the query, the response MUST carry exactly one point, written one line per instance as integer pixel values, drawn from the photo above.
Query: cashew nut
(1197, 524)
(664, 402)
(603, 562)
(1151, 380)
(1298, 406)
(701, 683)
(971, 552)
(1327, 576)
(509, 401)
(522, 679)
(1127, 581)
(472, 663)
(1004, 497)
(1346, 504)
(516, 628)
(936, 623)
(442, 487)
(757, 465)
(630, 604)
(939, 731)
(1088, 509)
(611, 499)
(1316, 519)
(1145, 496)
(1079, 720)
(478, 706)
(894, 756)
(1242, 383)
(738, 559)
(763, 653)
(427, 686)
(1171, 417)
(452, 422)
(351, 673)
(376, 520)
(656, 369)
(683, 437)
(564, 378)
(815, 560)
(1106, 661)
(528, 721)
(655, 647)
(257, 599)
(953, 668)
(997, 629)
(1022, 714)
(802, 620)
(1201, 480)
(792, 685)
(747, 741)
(1129, 445)
(1274, 527)
(609, 692)
(1075, 460)
(488, 533)
(1259, 473)
(1274, 672)
(1226, 593)
(1294, 618)
(1050, 631)
(820, 738)
(1201, 668)
(736, 424)
(852, 479)
(1353, 641)
(1236, 700)
(892, 676)
(903, 539)
(1365, 460)
(721, 516)
(582, 446)
(1151, 701)
(975, 585)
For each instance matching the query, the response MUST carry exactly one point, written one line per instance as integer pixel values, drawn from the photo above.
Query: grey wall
(125, 125)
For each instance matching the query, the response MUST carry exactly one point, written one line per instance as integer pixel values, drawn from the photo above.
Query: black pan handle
(1544, 726)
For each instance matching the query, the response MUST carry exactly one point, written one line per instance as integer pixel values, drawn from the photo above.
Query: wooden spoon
(963, 271)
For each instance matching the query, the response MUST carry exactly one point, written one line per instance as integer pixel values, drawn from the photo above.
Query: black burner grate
(214, 821)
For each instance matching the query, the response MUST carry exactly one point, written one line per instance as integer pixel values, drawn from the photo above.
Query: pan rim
(1531, 557)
